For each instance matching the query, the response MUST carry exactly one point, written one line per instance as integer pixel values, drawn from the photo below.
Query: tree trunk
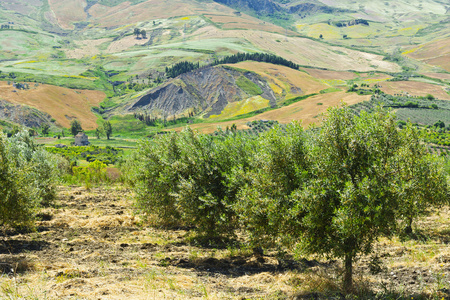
(408, 228)
(348, 274)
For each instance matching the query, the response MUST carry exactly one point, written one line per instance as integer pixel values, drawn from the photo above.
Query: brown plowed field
(62, 104)
(330, 75)
(442, 76)
(414, 88)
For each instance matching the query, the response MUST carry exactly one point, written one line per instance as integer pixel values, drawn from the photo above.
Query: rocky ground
(91, 246)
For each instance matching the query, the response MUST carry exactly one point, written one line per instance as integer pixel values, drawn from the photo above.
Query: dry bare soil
(91, 246)
(63, 104)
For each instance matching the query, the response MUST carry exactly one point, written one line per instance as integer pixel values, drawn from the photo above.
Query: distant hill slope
(436, 53)
(206, 91)
(91, 44)
(61, 104)
(226, 90)
(23, 115)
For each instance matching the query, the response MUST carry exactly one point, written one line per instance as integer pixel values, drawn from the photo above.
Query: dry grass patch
(62, 104)
(87, 48)
(287, 79)
(414, 88)
(68, 11)
(125, 43)
(107, 260)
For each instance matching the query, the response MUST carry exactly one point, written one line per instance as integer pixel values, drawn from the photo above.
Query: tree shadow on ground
(14, 264)
(237, 266)
(20, 246)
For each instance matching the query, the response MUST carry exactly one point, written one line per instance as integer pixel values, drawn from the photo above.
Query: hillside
(62, 104)
(92, 45)
(227, 90)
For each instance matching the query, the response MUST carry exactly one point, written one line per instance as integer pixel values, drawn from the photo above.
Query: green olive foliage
(331, 191)
(28, 176)
(278, 167)
(363, 171)
(181, 179)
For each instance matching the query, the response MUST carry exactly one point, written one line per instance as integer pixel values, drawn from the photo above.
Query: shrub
(95, 173)
(28, 176)
(181, 179)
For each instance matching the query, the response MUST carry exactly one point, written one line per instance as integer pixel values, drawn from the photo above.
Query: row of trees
(185, 66)
(261, 57)
(106, 128)
(181, 68)
(332, 190)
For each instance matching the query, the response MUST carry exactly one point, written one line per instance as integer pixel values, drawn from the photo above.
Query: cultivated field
(285, 80)
(414, 88)
(307, 111)
(299, 50)
(436, 53)
(62, 104)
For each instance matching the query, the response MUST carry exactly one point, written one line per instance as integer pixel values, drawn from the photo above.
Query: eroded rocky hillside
(207, 91)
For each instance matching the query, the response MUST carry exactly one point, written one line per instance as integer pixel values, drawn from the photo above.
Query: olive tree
(360, 167)
(18, 200)
(277, 169)
(75, 127)
(107, 129)
(182, 178)
(336, 189)
(28, 176)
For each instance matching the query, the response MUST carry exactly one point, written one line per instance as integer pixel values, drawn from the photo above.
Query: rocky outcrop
(309, 8)
(271, 8)
(258, 6)
(206, 90)
(22, 115)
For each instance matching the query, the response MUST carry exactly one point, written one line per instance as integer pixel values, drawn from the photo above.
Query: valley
(191, 111)
(91, 46)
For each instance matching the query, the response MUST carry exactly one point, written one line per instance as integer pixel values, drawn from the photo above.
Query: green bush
(28, 177)
(278, 167)
(181, 179)
(94, 173)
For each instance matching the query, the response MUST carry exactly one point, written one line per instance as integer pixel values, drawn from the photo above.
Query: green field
(38, 48)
